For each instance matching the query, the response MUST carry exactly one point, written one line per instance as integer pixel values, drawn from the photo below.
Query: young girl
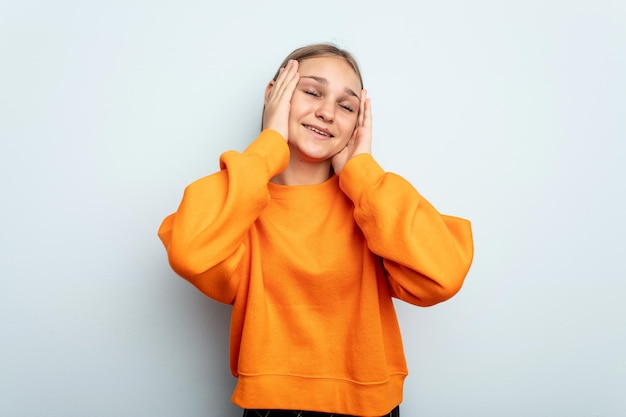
(309, 239)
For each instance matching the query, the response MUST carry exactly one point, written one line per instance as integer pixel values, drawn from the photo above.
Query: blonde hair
(320, 50)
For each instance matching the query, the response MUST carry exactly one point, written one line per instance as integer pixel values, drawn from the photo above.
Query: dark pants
(294, 413)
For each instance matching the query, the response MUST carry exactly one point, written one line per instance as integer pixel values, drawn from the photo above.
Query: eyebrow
(323, 80)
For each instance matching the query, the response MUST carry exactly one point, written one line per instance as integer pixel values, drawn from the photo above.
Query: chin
(316, 154)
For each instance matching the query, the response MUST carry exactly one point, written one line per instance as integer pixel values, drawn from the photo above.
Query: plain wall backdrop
(511, 114)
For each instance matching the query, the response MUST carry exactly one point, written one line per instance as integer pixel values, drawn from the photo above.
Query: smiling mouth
(318, 131)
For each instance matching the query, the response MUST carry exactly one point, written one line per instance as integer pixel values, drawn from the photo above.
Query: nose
(325, 111)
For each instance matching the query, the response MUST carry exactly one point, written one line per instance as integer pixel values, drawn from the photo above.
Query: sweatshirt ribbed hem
(319, 394)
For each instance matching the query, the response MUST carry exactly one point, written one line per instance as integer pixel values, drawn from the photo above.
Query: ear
(268, 89)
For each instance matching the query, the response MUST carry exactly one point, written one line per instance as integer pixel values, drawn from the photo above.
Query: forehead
(336, 70)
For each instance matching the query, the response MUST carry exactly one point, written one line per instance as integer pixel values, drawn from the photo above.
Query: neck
(303, 173)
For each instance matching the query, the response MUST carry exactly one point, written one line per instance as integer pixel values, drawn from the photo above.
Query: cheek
(349, 123)
(296, 108)
(347, 131)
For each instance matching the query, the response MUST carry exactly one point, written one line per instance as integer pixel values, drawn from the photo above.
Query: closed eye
(312, 92)
(346, 107)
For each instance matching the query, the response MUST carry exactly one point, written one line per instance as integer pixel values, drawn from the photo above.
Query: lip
(321, 129)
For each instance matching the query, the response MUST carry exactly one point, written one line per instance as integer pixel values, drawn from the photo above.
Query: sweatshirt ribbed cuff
(359, 174)
(273, 148)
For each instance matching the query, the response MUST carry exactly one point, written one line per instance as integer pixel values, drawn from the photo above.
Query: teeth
(318, 131)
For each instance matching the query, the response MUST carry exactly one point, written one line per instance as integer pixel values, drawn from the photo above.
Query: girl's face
(324, 108)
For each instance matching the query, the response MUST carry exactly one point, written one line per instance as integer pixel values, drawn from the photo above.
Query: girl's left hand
(361, 140)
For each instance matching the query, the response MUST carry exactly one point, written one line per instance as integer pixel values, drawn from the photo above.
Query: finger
(363, 98)
(286, 79)
(367, 114)
(277, 82)
(292, 78)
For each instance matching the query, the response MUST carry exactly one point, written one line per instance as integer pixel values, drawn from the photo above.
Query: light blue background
(512, 114)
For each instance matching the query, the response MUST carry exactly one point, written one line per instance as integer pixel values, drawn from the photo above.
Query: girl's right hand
(278, 97)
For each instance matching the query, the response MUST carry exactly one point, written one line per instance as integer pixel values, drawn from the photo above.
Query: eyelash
(348, 108)
(316, 94)
(312, 92)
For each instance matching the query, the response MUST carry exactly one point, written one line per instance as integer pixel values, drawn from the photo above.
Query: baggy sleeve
(206, 238)
(426, 255)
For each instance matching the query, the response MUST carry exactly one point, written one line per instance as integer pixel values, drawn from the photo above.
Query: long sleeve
(426, 254)
(206, 237)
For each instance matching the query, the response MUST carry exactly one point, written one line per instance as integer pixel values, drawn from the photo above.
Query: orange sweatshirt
(311, 272)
